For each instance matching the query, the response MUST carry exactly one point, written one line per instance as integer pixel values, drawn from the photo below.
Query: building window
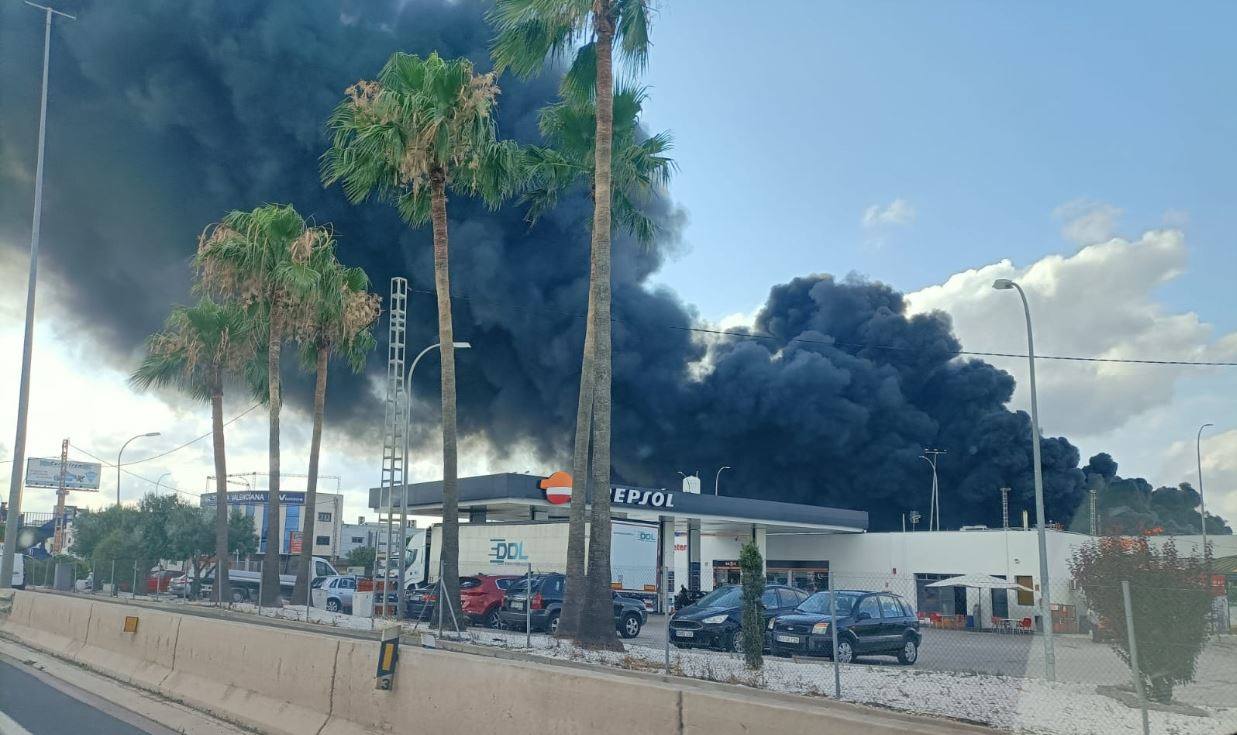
(324, 517)
(358, 539)
(323, 541)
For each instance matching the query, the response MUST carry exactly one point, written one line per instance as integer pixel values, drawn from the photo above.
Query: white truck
(244, 584)
(514, 547)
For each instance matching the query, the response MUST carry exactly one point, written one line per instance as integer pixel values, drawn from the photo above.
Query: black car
(867, 623)
(546, 604)
(713, 621)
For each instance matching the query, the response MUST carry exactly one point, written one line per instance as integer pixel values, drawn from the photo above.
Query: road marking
(9, 726)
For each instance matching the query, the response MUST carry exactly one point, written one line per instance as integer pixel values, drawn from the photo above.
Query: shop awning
(980, 581)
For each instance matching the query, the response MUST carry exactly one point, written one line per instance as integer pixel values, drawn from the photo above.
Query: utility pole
(934, 510)
(58, 538)
(1095, 521)
(17, 477)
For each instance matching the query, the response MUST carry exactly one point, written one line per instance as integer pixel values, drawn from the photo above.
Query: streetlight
(718, 477)
(1045, 595)
(934, 508)
(121, 453)
(160, 481)
(16, 478)
(403, 502)
(1202, 506)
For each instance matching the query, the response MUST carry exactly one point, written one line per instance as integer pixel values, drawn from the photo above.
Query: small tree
(1170, 600)
(362, 556)
(752, 568)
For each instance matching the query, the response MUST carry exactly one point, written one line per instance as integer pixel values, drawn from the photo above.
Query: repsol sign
(642, 498)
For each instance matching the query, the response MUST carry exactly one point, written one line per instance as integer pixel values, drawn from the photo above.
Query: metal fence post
(93, 579)
(833, 634)
(528, 607)
(47, 565)
(133, 589)
(442, 597)
(1134, 669)
(259, 600)
(115, 592)
(667, 605)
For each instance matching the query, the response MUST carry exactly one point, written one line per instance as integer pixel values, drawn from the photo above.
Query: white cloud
(897, 212)
(1219, 458)
(1086, 222)
(1101, 302)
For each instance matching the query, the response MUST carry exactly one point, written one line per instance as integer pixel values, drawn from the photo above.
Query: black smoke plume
(164, 116)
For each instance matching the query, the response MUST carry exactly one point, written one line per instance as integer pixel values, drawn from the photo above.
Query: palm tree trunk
(270, 563)
(597, 620)
(450, 556)
(304, 572)
(573, 600)
(222, 594)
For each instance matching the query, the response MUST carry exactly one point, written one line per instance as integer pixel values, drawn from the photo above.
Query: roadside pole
(667, 606)
(833, 634)
(441, 597)
(528, 608)
(259, 601)
(115, 592)
(133, 589)
(1134, 669)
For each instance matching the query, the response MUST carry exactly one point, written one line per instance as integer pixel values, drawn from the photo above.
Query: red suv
(482, 596)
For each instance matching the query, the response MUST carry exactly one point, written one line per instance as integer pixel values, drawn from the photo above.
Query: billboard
(45, 472)
(253, 497)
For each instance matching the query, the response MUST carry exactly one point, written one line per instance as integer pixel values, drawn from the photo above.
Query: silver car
(339, 591)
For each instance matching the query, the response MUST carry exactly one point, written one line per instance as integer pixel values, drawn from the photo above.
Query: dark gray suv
(545, 605)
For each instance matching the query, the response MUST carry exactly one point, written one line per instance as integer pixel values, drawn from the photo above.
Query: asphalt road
(33, 703)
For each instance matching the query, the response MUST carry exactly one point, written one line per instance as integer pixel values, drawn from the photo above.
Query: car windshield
(819, 603)
(722, 597)
(317, 583)
(520, 585)
(467, 583)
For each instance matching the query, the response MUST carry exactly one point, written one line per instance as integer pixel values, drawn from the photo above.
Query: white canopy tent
(980, 581)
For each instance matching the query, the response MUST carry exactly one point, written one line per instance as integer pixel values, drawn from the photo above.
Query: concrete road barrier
(278, 680)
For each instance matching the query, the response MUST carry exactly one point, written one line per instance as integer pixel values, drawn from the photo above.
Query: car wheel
(736, 641)
(629, 627)
(845, 653)
(238, 595)
(551, 625)
(679, 645)
(909, 652)
(332, 605)
(491, 619)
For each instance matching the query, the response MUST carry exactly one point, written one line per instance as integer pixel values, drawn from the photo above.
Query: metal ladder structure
(393, 476)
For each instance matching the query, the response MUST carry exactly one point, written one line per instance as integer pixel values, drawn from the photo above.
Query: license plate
(685, 634)
(517, 605)
(787, 638)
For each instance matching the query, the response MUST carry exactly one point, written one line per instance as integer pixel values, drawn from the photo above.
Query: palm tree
(335, 319)
(639, 166)
(530, 32)
(199, 348)
(262, 259)
(423, 127)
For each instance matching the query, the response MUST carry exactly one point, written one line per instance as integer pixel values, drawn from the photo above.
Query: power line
(130, 473)
(857, 345)
(237, 417)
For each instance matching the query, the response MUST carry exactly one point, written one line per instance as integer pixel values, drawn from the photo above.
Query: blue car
(868, 623)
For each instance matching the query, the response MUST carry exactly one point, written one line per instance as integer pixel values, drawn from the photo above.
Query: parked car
(161, 581)
(867, 623)
(482, 597)
(713, 621)
(546, 603)
(339, 591)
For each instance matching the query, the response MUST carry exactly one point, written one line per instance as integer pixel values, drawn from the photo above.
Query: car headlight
(820, 628)
(771, 622)
(715, 619)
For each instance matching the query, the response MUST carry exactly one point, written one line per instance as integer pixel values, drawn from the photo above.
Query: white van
(19, 571)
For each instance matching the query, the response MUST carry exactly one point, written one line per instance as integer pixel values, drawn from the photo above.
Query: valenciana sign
(250, 497)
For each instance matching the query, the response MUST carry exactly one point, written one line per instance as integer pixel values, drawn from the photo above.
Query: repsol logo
(502, 551)
(646, 498)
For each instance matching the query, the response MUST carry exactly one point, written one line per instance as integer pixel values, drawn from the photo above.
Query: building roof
(510, 496)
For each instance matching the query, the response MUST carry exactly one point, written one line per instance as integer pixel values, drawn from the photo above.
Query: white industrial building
(371, 534)
(328, 518)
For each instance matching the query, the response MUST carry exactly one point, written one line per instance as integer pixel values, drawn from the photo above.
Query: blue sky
(792, 118)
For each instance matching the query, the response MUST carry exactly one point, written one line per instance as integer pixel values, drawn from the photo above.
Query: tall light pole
(17, 477)
(718, 477)
(403, 494)
(1202, 506)
(159, 481)
(1045, 594)
(120, 454)
(934, 509)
